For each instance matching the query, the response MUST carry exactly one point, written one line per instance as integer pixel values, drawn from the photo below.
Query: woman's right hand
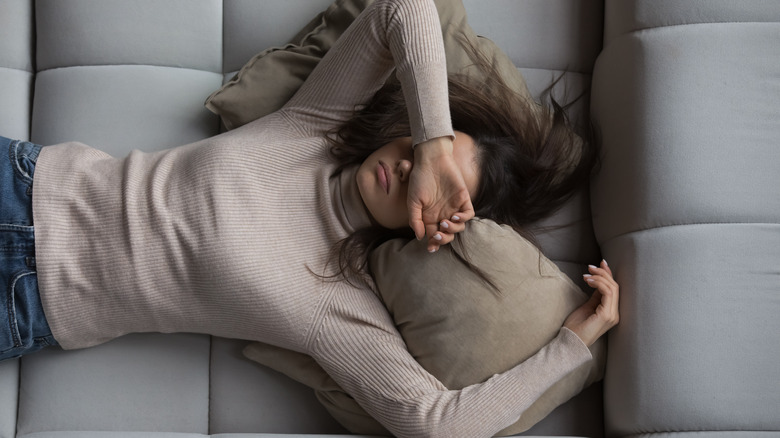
(600, 313)
(437, 194)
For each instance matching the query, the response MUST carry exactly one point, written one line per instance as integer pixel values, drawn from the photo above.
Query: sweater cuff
(429, 108)
(570, 339)
(557, 359)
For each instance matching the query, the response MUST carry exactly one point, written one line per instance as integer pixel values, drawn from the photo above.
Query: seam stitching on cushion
(31, 73)
(691, 432)
(172, 67)
(554, 70)
(642, 230)
(667, 26)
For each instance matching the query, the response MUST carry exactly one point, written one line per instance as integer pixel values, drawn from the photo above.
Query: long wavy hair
(530, 159)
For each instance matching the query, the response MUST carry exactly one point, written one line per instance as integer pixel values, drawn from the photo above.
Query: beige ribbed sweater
(218, 237)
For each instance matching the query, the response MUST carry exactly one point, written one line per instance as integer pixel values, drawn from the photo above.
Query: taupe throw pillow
(272, 77)
(457, 326)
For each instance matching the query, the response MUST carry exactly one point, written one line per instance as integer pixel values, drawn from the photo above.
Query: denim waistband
(23, 325)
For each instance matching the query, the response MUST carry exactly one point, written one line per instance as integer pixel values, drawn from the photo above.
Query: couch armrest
(686, 208)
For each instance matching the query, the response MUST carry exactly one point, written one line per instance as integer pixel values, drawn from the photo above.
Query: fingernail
(591, 266)
(432, 250)
(437, 236)
(444, 224)
(605, 262)
(587, 275)
(456, 218)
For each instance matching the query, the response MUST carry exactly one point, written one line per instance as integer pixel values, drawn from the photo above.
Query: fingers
(466, 212)
(452, 226)
(431, 229)
(600, 272)
(445, 232)
(601, 279)
(416, 220)
(455, 224)
(605, 266)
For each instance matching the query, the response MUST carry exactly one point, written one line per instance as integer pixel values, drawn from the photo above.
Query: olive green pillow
(456, 325)
(272, 77)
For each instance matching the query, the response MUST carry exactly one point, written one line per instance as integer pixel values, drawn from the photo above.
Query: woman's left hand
(439, 202)
(601, 312)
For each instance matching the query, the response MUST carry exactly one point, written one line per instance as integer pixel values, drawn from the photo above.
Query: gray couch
(686, 207)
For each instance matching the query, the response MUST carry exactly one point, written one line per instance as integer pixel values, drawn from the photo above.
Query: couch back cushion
(16, 68)
(686, 208)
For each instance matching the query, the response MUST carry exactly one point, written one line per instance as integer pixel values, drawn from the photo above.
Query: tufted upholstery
(685, 98)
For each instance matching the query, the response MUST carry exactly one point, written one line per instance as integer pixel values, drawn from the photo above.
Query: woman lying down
(252, 234)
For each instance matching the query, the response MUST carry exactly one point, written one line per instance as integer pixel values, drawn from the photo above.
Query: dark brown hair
(529, 157)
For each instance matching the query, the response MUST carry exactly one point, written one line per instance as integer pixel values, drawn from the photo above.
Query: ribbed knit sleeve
(400, 34)
(358, 345)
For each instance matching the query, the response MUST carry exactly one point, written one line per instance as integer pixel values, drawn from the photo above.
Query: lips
(383, 174)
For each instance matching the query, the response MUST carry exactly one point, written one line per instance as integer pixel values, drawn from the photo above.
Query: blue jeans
(23, 326)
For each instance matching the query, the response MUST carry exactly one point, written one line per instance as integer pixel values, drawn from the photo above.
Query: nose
(404, 169)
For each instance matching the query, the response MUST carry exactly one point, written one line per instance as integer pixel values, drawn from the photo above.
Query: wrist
(433, 148)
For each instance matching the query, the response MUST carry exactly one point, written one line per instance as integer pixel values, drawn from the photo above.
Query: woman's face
(383, 178)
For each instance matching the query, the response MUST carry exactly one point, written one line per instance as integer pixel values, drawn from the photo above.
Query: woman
(231, 236)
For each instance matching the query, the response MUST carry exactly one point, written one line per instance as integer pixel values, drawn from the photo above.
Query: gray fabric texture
(173, 33)
(705, 434)
(690, 127)
(701, 351)
(246, 397)
(625, 16)
(15, 89)
(16, 67)
(121, 108)
(542, 34)
(9, 396)
(95, 434)
(251, 26)
(685, 99)
(16, 35)
(145, 383)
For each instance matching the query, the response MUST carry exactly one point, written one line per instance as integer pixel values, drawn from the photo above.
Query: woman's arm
(365, 355)
(390, 34)
(359, 347)
(405, 35)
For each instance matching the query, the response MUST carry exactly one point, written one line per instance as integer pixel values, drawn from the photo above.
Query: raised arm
(405, 35)
(400, 34)
(358, 346)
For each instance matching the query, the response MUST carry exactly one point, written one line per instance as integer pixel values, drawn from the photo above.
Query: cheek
(390, 212)
(362, 178)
